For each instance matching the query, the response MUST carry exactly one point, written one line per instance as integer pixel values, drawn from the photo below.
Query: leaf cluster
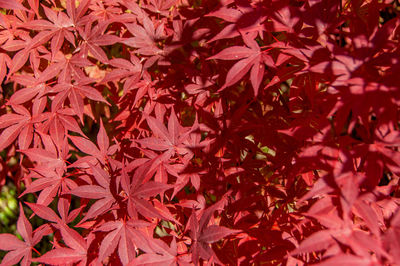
(180, 132)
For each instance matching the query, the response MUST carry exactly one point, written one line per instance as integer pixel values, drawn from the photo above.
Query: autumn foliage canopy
(202, 132)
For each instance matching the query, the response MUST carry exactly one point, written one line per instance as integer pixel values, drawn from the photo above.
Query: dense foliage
(194, 132)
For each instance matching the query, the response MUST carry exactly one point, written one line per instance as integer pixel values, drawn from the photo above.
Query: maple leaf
(49, 184)
(58, 123)
(186, 174)
(159, 168)
(170, 140)
(203, 234)
(78, 246)
(102, 153)
(243, 19)
(70, 66)
(34, 86)
(162, 254)
(202, 237)
(9, 34)
(48, 180)
(145, 38)
(126, 236)
(93, 38)
(138, 193)
(285, 19)
(378, 155)
(59, 28)
(143, 86)
(48, 214)
(341, 230)
(251, 57)
(19, 60)
(19, 125)
(76, 92)
(31, 46)
(200, 89)
(130, 71)
(77, 251)
(102, 193)
(105, 10)
(18, 249)
(52, 158)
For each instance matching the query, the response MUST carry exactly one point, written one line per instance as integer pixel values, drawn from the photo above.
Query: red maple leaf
(170, 140)
(162, 255)
(78, 246)
(18, 249)
(76, 92)
(126, 236)
(101, 192)
(251, 57)
(19, 125)
(102, 153)
(138, 193)
(202, 234)
(94, 37)
(59, 28)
